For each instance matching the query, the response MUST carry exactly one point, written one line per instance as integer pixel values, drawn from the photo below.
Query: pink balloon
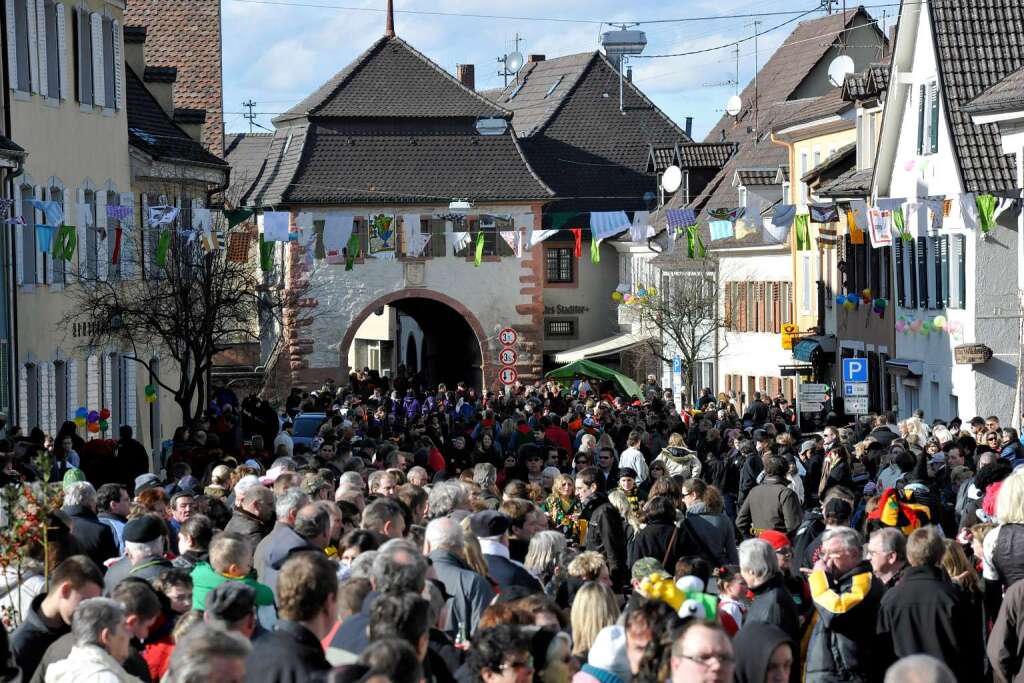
(900, 325)
(916, 325)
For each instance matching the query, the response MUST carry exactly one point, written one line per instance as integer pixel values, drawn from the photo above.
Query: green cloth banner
(559, 219)
(694, 244)
(595, 250)
(986, 211)
(900, 221)
(266, 255)
(236, 216)
(162, 247)
(478, 255)
(65, 242)
(351, 251)
(803, 235)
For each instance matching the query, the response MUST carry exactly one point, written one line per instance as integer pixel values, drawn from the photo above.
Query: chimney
(135, 48)
(534, 58)
(389, 29)
(689, 127)
(159, 82)
(629, 74)
(466, 73)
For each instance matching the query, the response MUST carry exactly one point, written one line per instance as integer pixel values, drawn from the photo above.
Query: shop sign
(971, 354)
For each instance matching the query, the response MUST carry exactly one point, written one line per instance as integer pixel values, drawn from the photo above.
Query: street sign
(508, 337)
(855, 370)
(857, 405)
(814, 388)
(810, 406)
(858, 389)
(508, 375)
(788, 330)
(677, 365)
(813, 398)
(508, 356)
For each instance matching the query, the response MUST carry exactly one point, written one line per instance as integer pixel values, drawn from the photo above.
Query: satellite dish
(839, 68)
(734, 105)
(514, 62)
(671, 179)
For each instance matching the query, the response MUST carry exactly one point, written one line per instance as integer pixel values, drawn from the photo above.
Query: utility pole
(250, 117)
(757, 26)
(827, 5)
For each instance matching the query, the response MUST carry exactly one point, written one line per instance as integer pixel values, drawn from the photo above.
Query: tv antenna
(757, 25)
(250, 117)
(734, 82)
(511, 62)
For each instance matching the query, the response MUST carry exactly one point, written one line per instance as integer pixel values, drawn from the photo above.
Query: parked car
(305, 428)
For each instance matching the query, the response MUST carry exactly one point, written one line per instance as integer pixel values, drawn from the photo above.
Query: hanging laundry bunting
(776, 234)
(1008, 203)
(163, 245)
(969, 210)
(238, 246)
(115, 254)
(900, 224)
(671, 235)
(783, 215)
(595, 250)
(266, 254)
(65, 243)
(523, 222)
(383, 243)
(680, 218)
(275, 226)
(44, 238)
(158, 215)
(986, 204)
(237, 216)
(859, 207)
(803, 232)
(512, 239)
(560, 219)
(478, 252)
(823, 213)
(337, 231)
(694, 244)
(353, 250)
(916, 218)
(937, 208)
(202, 226)
(577, 236)
(720, 229)
(607, 224)
(118, 212)
(304, 223)
(53, 212)
(16, 220)
(828, 237)
(748, 224)
(457, 240)
(640, 231)
(5, 207)
(856, 233)
(727, 214)
(880, 227)
(745, 228)
(411, 228)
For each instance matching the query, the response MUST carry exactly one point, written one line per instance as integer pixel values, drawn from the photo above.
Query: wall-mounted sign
(508, 337)
(565, 310)
(508, 356)
(970, 354)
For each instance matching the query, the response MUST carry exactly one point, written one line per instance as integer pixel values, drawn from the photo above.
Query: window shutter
(776, 307)
(19, 241)
(23, 394)
(118, 66)
(933, 92)
(728, 306)
(103, 239)
(46, 407)
(129, 245)
(107, 397)
(41, 277)
(62, 52)
(97, 60)
(922, 96)
(910, 255)
(71, 367)
(937, 268)
(897, 281)
(40, 47)
(129, 414)
(923, 294)
(961, 271)
(33, 54)
(82, 231)
(742, 306)
(12, 44)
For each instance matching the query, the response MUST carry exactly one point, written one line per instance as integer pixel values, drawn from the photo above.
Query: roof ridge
(350, 70)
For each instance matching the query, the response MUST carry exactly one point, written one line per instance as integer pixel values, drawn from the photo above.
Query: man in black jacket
(49, 616)
(604, 532)
(927, 614)
(95, 538)
(846, 595)
(490, 526)
(254, 510)
(307, 592)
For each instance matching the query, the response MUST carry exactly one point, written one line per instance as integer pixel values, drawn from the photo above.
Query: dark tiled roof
(871, 82)
(593, 155)
(151, 130)
(9, 148)
(160, 74)
(879, 76)
(706, 154)
(245, 152)
(663, 156)
(853, 183)
(349, 164)
(1006, 95)
(840, 156)
(392, 80)
(810, 109)
(750, 177)
(979, 43)
(855, 86)
(540, 88)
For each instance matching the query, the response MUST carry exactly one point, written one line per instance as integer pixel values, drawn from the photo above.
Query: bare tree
(683, 318)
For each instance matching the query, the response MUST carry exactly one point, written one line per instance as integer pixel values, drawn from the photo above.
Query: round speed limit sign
(508, 356)
(508, 337)
(508, 376)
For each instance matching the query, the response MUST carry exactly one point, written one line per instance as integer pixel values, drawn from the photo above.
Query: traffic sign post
(508, 376)
(508, 356)
(857, 405)
(855, 370)
(508, 337)
(859, 389)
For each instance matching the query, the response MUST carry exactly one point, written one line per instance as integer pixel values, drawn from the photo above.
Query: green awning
(591, 370)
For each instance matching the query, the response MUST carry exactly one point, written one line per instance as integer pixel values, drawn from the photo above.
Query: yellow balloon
(652, 292)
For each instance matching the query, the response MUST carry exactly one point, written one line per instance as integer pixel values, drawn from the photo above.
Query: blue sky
(276, 54)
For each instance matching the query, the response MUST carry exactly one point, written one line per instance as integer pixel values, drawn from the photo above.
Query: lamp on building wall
(460, 206)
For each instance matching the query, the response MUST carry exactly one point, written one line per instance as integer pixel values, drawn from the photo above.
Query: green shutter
(933, 89)
(920, 121)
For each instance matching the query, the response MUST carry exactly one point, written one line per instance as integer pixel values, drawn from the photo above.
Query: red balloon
(105, 414)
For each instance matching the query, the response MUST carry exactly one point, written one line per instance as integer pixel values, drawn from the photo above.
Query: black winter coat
(774, 605)
(507, 574)
(606, 536)
(95, 538)
(752, 467)
(928, 614)
(31, 639)
(843, 644)
(289, 654)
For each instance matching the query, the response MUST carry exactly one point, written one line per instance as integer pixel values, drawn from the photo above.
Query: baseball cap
(231, 601)
(146, 481)
(644, 567)
(776, 539)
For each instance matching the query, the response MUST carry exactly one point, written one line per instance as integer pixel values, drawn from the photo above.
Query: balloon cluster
(852, 300)
(642, 295)
(95, 421)
(150, 392)
(938, 325)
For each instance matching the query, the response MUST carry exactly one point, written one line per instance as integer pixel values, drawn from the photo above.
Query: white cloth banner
(416, 245)
(539, 236)
(640, 230)
(523, 222)
(605, 224)
(158, 215)
(880, 227)
(202, 219)
(304, 222)
(859, 207)
(512, 239)
(969, 210)
(275, 226)
(457, 240)
(411, 230)
(337, 232)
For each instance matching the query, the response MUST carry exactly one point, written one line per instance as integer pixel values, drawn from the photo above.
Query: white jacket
(89, 664)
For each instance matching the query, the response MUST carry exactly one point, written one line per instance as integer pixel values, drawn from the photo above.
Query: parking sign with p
(855, 370)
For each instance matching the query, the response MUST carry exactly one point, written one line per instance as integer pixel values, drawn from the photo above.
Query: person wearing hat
(145, 542)
(231, 607)
(490, 528)
(753, 463)
(811, 458)
(144, 482)
(628, 485)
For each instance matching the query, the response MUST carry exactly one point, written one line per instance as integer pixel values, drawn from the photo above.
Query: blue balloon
(853, 298)
(841, 299)
(82, 412)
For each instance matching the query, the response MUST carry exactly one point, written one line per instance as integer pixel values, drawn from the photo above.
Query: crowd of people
(550, 533)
